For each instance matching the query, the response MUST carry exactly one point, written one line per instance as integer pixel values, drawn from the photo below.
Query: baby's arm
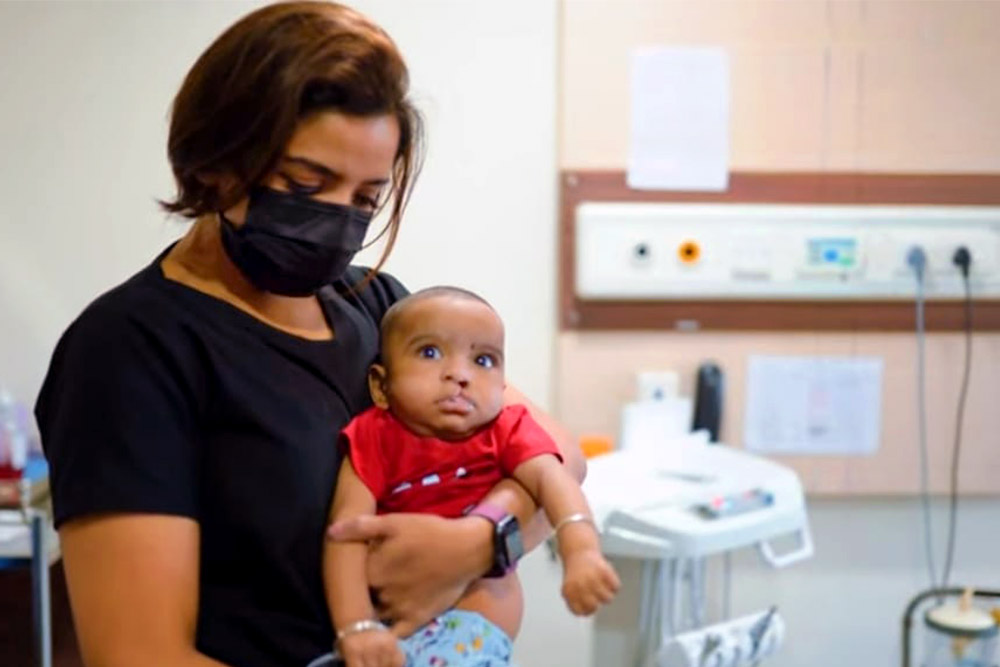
(346, 583)
(588, 579)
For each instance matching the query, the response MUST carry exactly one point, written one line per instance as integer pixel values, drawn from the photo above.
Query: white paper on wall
(813, 405)
(679, 119)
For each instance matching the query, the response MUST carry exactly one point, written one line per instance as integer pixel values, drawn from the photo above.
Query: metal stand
(660, 604)
(648, 611)
(28, 507)
(41, 593)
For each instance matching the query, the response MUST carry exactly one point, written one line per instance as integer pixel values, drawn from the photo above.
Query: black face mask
(294, 245)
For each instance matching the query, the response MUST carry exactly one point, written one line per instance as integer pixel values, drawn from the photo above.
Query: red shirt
(411, 473)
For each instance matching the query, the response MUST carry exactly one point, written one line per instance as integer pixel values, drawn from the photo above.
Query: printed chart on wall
(813, 405)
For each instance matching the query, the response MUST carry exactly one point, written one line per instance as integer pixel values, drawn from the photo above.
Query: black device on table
(708, 400)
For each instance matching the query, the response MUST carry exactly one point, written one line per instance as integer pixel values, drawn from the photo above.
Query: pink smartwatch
(507, 545)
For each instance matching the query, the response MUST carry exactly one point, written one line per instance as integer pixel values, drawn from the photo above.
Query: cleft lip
(458, 404)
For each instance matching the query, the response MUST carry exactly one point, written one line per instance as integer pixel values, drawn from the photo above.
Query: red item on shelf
(7, 471)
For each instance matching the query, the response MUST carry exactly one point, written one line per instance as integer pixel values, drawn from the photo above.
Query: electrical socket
(657, 385)
(916, 259)
(962, 259)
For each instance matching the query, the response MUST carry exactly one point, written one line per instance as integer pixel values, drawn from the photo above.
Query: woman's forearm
(187, 658)
(198, 660)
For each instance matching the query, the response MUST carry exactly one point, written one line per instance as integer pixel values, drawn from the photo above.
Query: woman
(190, 414)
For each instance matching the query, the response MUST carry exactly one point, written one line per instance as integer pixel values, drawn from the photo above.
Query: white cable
(918, 260)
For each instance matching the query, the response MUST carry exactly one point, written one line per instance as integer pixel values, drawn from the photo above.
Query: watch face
(510, 534)
(515, 548)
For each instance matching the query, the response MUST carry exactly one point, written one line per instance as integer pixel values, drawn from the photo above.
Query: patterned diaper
(458, 638)
(455, 639)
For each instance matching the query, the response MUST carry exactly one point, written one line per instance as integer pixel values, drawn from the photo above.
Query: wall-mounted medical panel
(778, 251)
(649, 251)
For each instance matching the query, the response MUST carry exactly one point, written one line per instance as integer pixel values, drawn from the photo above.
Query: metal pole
(647, 581)
(41, 600)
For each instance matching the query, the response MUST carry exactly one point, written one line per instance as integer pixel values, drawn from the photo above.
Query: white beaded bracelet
(572, 518)
(360, 626)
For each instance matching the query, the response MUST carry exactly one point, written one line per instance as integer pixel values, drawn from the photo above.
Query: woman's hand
(420, 564)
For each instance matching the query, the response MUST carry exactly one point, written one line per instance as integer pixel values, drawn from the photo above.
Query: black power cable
(963, 260)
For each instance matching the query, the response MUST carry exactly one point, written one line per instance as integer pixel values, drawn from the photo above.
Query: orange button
(689, 252)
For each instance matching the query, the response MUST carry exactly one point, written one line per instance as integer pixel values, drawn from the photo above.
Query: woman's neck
(200, 262)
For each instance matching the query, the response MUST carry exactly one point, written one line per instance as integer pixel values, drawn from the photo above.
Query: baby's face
(444, 365)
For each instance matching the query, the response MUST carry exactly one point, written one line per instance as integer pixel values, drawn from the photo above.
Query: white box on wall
(662, 251)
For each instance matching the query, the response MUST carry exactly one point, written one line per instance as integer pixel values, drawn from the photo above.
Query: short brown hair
(242, 100)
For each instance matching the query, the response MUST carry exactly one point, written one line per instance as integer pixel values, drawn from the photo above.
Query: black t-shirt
(161, 399)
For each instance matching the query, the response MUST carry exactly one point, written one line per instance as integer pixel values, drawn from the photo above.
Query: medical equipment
(697, 252)
(708, 393)
(649, 501)
(957, 635)
(15, 436)
(744, 641)
(962, 260)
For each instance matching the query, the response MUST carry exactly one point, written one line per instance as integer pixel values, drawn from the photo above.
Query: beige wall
(879, 85)
(840, 85)
(599, 372)
(887, 85)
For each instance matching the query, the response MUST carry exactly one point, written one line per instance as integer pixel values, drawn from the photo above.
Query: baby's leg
(500, 601)
(458, 638)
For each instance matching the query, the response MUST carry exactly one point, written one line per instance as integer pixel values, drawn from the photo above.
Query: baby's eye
(486, 360)
(430, 352)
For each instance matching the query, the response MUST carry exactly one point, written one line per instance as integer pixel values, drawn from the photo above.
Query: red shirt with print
(411, 473)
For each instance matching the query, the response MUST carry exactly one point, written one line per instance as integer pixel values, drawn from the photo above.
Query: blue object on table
(36, 468)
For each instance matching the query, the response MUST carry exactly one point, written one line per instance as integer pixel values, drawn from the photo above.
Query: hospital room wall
(84, 159)
(83, 124)
(86, 94)
(893, 86)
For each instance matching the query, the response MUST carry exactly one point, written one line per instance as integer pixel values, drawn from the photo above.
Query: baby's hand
(372, 648)
(588, 581)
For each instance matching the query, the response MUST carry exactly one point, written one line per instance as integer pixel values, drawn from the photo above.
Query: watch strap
(492, 512)
(502, 564)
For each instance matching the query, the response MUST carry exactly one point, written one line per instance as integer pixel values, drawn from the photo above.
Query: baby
(437, 440)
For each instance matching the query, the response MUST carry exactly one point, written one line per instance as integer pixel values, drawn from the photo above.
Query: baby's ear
(377, 381)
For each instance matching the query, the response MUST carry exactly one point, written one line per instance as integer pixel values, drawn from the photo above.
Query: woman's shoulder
(141, 303)
(138, 320)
